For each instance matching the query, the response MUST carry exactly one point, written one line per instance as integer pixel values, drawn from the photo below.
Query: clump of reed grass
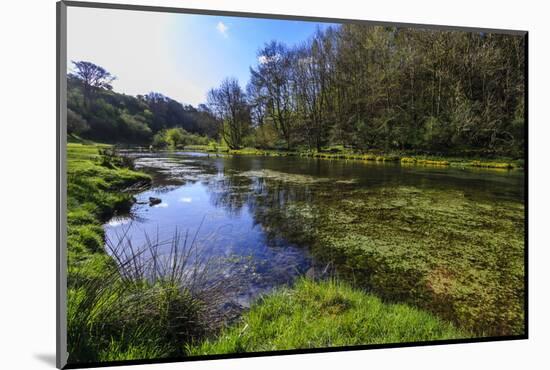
(146, 302)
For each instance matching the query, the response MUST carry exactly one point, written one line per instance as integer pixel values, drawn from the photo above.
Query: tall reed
(147, 302)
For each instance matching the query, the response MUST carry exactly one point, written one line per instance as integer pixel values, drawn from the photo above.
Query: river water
(235, 208)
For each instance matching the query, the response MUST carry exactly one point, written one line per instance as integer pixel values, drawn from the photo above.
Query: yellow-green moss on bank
(346, 154)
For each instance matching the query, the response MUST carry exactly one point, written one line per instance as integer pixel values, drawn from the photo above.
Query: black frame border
(61, 262)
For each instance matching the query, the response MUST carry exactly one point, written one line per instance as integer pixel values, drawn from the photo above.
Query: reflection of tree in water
(267, 201)
(271, 202)
(269, 209)
(230, 193)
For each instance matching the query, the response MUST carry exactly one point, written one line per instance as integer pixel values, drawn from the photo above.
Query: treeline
(357, 86)
(98, 113)
(386, 88)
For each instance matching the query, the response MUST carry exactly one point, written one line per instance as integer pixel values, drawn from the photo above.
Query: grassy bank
(116, 310)
(403, 158)
(325, 314)
(94, 193)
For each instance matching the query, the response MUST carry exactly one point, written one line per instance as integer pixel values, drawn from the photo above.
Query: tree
(360, 86)
(312, 89)
(93, 77)
(176, 137)
(229, 104)
(272, 80)
(75, 123)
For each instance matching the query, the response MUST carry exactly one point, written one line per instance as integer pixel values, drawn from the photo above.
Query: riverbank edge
(95, 187)
(86, 246)
(405, 159)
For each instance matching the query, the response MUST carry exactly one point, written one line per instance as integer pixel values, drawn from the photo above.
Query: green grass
(93, 195)
(325, 314)
(114, 313)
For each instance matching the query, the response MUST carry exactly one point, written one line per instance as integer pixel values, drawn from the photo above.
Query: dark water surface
(236, 206)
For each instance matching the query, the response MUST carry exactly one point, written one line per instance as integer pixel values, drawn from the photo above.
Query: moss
(88, 238)
(80, 216)
(95, 188)
(492, 165)
(93, 195)
(341, 153)
(432, 162)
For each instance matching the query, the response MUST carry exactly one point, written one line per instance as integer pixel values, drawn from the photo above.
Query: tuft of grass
(317, 314)
(139, 302)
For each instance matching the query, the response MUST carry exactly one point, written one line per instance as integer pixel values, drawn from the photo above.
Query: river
(429, 236)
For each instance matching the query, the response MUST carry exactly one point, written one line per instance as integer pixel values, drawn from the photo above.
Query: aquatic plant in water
(458, 257)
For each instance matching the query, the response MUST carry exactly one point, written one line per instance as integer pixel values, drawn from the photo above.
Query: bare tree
(273, 81)
(228, 103)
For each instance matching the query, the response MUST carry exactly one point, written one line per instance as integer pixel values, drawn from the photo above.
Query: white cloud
(222, 28)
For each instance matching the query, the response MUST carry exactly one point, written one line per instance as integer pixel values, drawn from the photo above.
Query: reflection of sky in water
(118, 221)
(227, 236)
(160, 205)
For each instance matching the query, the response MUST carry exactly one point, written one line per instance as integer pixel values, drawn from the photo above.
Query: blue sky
(179, 55)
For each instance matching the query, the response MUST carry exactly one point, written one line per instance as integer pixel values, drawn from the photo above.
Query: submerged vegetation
(325, 314)
(439, 250)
